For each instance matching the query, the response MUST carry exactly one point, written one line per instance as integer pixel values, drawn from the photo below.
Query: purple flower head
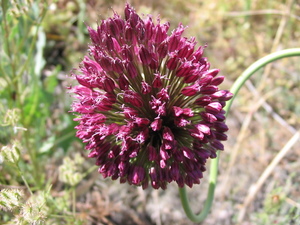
(150, 110)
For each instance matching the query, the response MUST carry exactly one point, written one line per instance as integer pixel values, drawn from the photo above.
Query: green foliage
(276, 210)
(27, 96)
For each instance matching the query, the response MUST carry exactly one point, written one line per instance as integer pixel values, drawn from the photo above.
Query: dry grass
(264, 117)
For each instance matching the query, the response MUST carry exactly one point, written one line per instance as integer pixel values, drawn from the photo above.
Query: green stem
(36, 165)
(73, 191)
(93, 168)
(24, 179)
(13, 86)
(255, 67)
(214, 162)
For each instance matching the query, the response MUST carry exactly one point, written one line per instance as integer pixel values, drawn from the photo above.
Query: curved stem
(214, 162)
(256, 66)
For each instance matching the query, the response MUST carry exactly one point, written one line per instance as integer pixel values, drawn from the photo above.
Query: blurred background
(43, 41)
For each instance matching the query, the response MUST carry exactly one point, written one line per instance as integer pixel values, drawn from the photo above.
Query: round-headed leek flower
(149, 105)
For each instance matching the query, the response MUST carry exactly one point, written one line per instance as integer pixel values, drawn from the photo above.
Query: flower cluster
(149, 104)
